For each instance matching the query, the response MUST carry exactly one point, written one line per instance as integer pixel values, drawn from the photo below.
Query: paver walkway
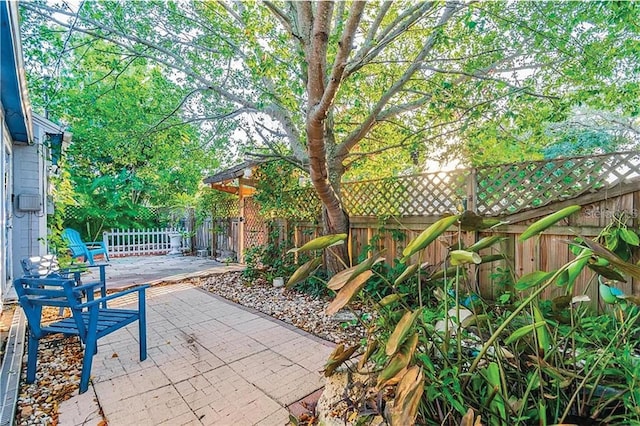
(211, 362)
(125, 272)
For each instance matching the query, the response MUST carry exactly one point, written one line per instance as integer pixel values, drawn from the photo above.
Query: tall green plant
(532, 361)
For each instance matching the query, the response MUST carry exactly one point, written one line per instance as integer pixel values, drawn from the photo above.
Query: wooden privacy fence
(388, 213)
(217, 236)
(141, 242)
(548, 252)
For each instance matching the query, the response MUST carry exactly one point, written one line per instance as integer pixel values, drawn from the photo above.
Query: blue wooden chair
(86, 250)
(89, 321)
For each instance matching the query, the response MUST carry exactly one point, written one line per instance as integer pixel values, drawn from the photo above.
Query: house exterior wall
(31, 178)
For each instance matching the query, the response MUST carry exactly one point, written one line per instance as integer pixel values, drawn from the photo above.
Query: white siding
(31, 177)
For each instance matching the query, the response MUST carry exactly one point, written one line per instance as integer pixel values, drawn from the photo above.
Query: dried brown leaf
(401, 331)
(407, 400)
(398, 362)
(303, 272)
(348, 292)
(340, 279)
(371, 347)
(337, 357)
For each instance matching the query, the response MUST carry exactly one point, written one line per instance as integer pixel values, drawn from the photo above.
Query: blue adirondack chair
(89, 321)
(81, 249)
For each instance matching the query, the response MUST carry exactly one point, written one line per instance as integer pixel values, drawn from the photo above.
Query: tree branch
(176, 63)
(358, 133)
(340, 62)
(368, 39)
(373, 47)
(280, 15)
(481, 75)
(304, 22)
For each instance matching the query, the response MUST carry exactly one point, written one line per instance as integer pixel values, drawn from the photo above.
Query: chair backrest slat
(40, 266)
(73, 239)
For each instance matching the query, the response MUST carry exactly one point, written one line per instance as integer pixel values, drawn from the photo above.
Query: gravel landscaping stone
(290, 306)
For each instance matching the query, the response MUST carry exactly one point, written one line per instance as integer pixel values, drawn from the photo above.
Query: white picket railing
(140, 242)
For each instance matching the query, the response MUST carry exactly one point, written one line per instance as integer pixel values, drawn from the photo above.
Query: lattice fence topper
(510, 188)
(78, 213)
(300, 204)
(494, 191)
(427, 194)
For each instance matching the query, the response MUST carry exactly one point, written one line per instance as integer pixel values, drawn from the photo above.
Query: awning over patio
(235, 180)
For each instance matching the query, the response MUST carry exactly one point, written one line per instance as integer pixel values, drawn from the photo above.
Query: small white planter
(278, 282)
(175, 243)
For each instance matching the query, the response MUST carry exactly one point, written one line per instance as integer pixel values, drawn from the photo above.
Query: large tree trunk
(322, 86)
(335, 219)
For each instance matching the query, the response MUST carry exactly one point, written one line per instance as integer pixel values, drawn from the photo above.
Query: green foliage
(62, 197)
(128, 150)
(523, 360)
(207, 200)
(472, 92)
(279, 193)
(620, 238)
(270, 260)
(581, 143)
(315, 286)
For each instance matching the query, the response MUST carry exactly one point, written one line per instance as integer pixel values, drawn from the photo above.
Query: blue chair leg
(103, 287)
(86, 367)
(142, 326)
(32, 358)
(90, 349)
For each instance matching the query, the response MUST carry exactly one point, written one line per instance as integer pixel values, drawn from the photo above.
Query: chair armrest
(87, 286)
(79, 269)
(50, 281)
(98, 265)
(95, 243)
(91, 303)
(82, 267)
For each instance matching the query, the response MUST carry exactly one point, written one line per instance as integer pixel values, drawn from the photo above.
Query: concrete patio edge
(270, 318)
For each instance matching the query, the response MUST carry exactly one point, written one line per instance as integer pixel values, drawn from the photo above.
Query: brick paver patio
(211, 362)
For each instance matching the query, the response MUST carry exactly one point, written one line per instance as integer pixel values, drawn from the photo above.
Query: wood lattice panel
(495, 191)
(511, 188)
(143, 213)
(255, 227)
(427, 194)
